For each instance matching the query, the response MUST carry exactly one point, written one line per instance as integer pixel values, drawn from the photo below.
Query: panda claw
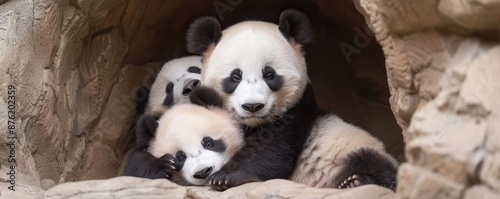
(172, 167)
(225, 182)
(356, 183)
(351, 182)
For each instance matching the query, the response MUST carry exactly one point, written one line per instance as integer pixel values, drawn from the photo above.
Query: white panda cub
(174, 82)
(188, 143)
(259, 68)
(172, 86)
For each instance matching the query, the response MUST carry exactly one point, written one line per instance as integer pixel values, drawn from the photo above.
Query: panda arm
(259, 160)
(143, 164)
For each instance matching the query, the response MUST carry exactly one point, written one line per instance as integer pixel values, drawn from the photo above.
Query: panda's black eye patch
(207, 142)
(194, 69)
(229, 84)
(180, 156)
(169, 88)
(268, 73)
(272, 79)
(213, 145)
(169, 100)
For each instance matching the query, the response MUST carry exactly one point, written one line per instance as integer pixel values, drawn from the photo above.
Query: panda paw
(165, 167)
(223, 180)
(352, 181)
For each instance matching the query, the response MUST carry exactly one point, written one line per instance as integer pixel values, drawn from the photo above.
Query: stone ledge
(132, 187)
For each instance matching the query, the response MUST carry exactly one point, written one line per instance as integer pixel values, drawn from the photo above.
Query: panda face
(200, 159)
(173, 84)
(258, 72)
(201, 140)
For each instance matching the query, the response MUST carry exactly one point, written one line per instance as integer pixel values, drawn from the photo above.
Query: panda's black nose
(202, 174)
(190, 86)
(252, 107)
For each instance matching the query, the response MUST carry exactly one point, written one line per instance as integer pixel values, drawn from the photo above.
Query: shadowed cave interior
(345, 63)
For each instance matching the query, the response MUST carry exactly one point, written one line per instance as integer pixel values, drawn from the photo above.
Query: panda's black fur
(273, 148)
(141, 163)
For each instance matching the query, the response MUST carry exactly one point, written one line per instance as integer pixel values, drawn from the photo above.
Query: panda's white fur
(258, 44)
(183, 127)
(176, 72)
(331, 141)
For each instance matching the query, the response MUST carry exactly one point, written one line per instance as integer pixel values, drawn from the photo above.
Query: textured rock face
(445, 93)
(74, 98)
(130, 187)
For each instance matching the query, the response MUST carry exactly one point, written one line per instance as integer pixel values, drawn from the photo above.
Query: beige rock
(480, 192)
(208, 193)
(434, 63)
(421, 183)
(120, 187)
(287, 189)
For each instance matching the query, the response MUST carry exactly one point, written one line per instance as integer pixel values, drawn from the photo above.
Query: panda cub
(260, 71)
(175, 81)
(173, 84)
(188, 143)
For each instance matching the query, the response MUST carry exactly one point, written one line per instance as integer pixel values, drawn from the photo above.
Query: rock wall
(70, 83)
(442, 61)
(130, 187)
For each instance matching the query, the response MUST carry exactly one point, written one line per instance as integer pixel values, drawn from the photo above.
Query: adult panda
(260, 71)
(175, 81)
(173, 148)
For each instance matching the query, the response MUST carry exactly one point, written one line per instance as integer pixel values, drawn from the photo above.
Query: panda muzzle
(190, 86)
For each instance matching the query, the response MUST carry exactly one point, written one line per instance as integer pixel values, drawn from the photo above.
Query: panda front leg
(143, 164)
(259, 160)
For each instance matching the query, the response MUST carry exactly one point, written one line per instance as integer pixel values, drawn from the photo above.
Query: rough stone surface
(442, 62)
(131, 187)
(291, 190)
(67, 79)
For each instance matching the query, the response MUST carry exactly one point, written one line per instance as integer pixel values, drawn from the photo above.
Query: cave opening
(346, 65)
(125, 48)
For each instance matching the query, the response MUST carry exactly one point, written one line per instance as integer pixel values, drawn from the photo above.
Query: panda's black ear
(204, 96)
(202, 33)
(145, 130)
(296, 25)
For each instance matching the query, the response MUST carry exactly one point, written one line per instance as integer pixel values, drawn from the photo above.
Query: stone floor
(130, 187)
